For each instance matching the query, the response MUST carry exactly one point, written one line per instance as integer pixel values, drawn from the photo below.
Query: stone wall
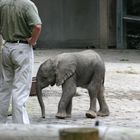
(73, 23)
(1, 41)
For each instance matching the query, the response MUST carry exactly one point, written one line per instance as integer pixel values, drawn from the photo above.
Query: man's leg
(23, 58)
(6, 77)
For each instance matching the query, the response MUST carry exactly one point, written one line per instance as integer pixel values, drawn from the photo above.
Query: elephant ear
(64, 71)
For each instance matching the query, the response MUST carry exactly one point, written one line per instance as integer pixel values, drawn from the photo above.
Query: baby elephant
(83, 69)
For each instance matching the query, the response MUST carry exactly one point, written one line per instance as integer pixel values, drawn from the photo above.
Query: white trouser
(15, 81)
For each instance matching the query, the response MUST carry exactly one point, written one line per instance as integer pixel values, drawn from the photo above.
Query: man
(20, 26)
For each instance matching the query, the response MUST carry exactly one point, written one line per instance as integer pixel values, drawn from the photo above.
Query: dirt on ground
(122, 92)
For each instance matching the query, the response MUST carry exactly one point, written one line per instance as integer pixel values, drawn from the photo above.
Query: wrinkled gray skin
(83, 69)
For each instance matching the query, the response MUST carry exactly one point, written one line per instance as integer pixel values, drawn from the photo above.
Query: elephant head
(46, 74)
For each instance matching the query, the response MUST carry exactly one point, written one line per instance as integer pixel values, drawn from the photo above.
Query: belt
(18, 41)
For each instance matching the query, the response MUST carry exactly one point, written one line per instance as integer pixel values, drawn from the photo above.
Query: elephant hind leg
(91, 113)
(96, 91)
(92, 90)
(104, 110)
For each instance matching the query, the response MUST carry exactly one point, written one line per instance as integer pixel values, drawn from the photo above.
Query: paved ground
(122, 92)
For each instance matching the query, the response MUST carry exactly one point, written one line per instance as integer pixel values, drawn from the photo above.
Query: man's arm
(35, 35)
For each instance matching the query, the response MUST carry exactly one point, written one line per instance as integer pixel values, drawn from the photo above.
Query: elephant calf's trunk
(41, 103)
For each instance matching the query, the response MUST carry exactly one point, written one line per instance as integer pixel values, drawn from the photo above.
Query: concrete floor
(122, 92)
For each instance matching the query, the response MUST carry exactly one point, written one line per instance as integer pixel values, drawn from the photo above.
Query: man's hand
(35, 34)
(30, 41)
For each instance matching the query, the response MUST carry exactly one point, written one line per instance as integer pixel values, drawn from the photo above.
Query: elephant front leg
(61, 114)
(65, 104)
(64, 112)
(69, 109)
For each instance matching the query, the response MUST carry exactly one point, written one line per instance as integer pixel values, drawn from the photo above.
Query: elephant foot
(61, 115)
(9, 113)
(90, 114)
(103, 113)
(43, 115)
(68, 115)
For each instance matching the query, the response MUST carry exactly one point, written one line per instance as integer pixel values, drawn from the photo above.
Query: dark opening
(133, 26)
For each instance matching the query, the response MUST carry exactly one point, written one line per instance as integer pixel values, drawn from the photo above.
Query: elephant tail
(40, 100)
